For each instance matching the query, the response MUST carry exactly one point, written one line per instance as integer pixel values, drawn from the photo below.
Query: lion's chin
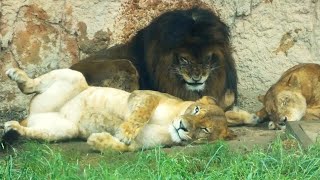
(174, 134)
(195, 86)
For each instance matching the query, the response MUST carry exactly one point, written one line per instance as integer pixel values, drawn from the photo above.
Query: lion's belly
(95, 122)
(97, 109)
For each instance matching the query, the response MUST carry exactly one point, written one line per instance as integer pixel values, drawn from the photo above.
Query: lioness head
(202, 121)
(283, 103)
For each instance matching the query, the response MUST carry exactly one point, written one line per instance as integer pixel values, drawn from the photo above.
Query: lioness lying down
(65, 107)
(295, 96)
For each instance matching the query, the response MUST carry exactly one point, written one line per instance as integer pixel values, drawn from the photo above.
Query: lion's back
(306, 77)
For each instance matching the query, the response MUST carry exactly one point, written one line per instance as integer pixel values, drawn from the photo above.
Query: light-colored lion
(65, 107)
(295, 96)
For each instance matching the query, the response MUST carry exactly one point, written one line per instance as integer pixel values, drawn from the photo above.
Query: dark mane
(152, 51)
(173, 28)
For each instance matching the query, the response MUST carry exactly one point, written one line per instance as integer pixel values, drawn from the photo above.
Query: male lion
(65, 107)
(185, 53)
(295, 96)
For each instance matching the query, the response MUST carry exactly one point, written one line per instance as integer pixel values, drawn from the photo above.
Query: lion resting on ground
(65, 107)
(295, 96)
(118, 73)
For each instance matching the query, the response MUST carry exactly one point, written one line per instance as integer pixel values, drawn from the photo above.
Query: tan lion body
(294, 97)
(65, 107)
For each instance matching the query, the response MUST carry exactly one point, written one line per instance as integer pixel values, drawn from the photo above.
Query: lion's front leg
(237, 117)
(104, 141)
(141, 112)
(312, 113)
(228, 100)
(45, 126)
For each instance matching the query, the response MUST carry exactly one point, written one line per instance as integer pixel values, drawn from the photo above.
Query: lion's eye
(209, 57)
(206, 130)
(285, 101)
(183, 60)
(196, 110)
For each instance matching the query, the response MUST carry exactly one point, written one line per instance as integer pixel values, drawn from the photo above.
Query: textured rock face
(268, 37)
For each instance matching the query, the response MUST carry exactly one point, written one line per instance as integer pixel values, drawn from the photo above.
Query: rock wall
(268, 37)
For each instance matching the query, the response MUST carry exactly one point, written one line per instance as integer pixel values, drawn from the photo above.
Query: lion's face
(286, 105)
(194, 68)
(202, 121)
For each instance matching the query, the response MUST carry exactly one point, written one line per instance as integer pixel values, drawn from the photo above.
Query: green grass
(212, 161)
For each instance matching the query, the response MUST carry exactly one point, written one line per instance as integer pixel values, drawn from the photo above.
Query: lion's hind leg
(25, 84)
(104, 141)
(45, 126)
(40, 84)
(53, 89)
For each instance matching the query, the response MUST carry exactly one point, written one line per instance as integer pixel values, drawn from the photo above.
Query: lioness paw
(97, 140)
(12, 125)
(124, 137)
(252, 119)
(127, 132)
(17, 75)
(104, 141)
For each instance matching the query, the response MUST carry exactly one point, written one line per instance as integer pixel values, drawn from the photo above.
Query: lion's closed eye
(183, 60)
(206, 130)
(209, 58)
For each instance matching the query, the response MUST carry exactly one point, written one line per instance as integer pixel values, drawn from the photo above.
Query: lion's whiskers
(215, 67)
(188, 137)
(175, 70)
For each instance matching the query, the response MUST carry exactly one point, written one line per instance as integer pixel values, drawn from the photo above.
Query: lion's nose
(181, 126)
(284, 119)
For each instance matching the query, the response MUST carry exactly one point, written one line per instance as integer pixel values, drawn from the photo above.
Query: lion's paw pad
(99, 137)
(255, 119)
(11, 125)
(252, 119)
(17, 75)
(100, 141)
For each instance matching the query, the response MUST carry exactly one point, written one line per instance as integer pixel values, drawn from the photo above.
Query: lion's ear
(262, 114)
(261, 98)
(293, 81)
(207, 100)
